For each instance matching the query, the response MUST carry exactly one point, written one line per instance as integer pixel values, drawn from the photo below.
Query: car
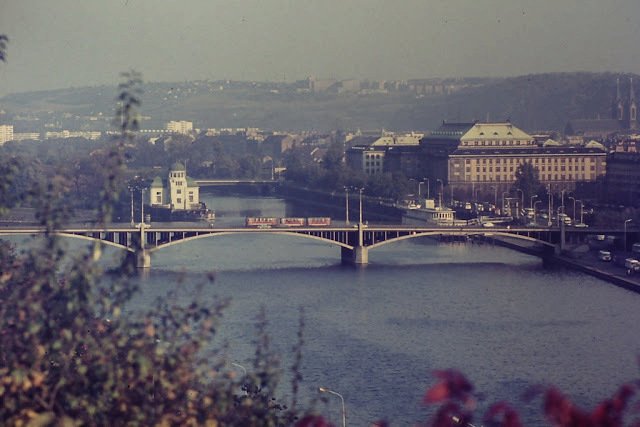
(544, 216)
(581, 225)
(604, 256)
(488, 224)
(632, 265)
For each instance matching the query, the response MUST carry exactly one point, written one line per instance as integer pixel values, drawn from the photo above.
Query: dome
(177, 166)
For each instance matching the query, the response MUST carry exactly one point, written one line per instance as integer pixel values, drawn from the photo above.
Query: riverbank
(580, 258)
(589, 264)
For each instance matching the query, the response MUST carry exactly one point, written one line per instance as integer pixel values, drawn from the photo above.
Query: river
(376, 334)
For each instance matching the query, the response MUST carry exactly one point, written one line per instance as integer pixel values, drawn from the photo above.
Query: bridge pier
(143, 259)
(356, 256)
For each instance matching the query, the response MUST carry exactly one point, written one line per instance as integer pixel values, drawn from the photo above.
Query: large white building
(6, 133)
(180, 192)
(181, 126)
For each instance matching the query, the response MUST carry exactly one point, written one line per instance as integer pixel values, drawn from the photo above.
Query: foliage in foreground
(69, 356)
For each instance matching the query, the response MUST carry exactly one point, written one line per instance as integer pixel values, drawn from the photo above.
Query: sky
(74, 43)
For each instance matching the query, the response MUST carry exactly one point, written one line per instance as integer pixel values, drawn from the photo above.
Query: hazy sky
(63, 43)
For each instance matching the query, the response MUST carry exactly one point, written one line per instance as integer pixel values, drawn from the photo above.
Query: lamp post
(441, 191)
(242, 368)
(574, 208)
(521, 197)
(581, 211)
(420, 189)
(503, 206)
(626, 221)
(346, 202)
(142, 206)
(531, 201)
(562, 198)
(534, 211)
(132, 221)
(361, 190)
(344, 413)
(550, 211)
(427, 187)
(495, 196)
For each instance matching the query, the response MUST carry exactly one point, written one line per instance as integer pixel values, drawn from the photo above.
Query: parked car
(604, 256)
(632, 265)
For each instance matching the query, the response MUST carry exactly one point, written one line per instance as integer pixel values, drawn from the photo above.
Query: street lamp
(361, 190)
(534, 211)
(441, 192)
(531, 202)
(346, 201)
(521, 197)
(550, 205)
(581, 211)
(574, 208)
(503, 206)
(495, 196)
(142, 206)
(427, 187)
(626, 221)
(132, 221)
(344, 414)
(420, 189)
(242, 368)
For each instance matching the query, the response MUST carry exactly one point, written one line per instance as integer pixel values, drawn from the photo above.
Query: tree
(69, 356)
(527, 181)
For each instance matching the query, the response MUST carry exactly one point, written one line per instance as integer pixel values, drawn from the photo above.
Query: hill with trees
(534, 102)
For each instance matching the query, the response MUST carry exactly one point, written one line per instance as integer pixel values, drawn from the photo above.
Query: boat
(429, 215)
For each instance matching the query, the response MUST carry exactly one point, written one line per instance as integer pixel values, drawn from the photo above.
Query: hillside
(533, 102)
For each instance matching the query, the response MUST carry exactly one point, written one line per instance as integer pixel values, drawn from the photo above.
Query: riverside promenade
(585, 259)
(589, 263)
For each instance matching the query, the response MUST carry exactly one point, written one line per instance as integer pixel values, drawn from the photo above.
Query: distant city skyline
(73, 43)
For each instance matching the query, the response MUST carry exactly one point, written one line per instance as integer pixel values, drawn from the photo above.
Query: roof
(362, 141)
(177, 166)
(552, 150)
(594, 144)
(504, 130)
(157, 182)
(453, 131)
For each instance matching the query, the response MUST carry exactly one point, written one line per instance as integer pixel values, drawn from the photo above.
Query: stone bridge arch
(212, 234)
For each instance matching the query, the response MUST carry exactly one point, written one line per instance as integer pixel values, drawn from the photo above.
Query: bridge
(354, 241)
(225, 182)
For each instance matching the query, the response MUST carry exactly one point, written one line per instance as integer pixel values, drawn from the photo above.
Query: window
(178, 200)
(179, 191)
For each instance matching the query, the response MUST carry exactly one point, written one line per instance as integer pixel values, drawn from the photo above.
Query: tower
(618, 105)
(633, 108)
